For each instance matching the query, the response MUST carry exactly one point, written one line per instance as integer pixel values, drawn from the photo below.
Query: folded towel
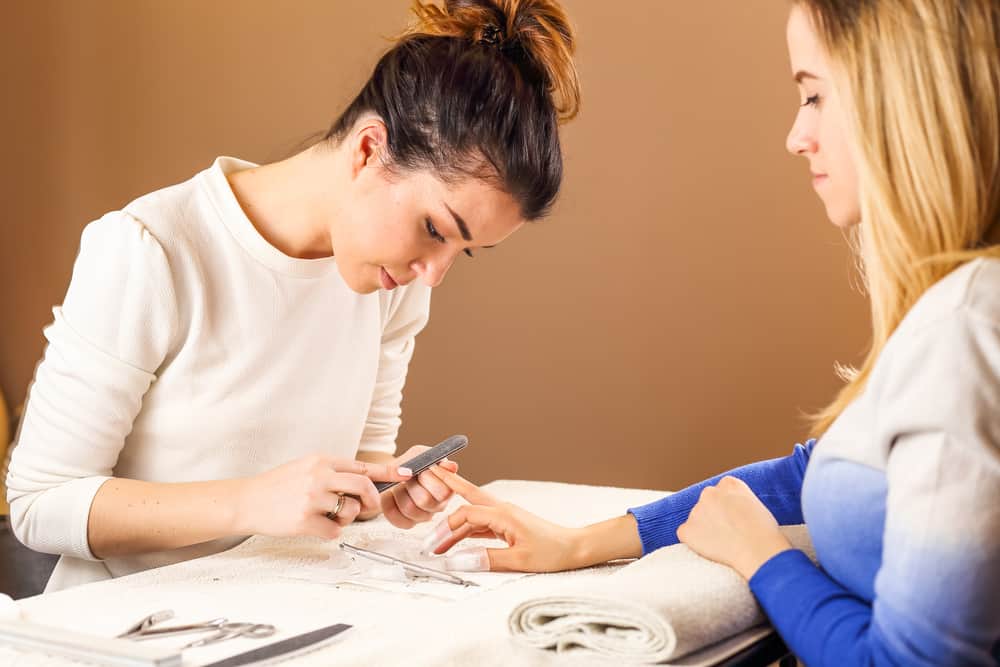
(661, 607)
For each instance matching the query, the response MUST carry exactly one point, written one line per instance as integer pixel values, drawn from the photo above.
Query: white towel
(661, 607)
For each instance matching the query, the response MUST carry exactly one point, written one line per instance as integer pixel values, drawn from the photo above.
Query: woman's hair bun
(538, 29)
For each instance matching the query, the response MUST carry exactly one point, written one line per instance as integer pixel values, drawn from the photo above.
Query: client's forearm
(608, 540)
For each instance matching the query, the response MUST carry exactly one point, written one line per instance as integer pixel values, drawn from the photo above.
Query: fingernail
(440, 533)
(474, 559)
(405, 472)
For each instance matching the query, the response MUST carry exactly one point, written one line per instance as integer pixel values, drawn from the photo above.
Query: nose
(801, 139)
(432, 269)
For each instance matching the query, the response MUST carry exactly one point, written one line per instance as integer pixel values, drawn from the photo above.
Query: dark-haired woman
(230, 354)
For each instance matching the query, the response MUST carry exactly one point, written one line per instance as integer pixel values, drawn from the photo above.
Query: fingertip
(475, 559)
(440, 536)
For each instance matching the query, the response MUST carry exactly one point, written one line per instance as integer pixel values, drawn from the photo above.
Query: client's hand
(535, 545)
(315, 495)
(406, 505)
(730, 525)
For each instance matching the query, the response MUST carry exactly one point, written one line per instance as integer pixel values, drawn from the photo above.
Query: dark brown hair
(477, 88)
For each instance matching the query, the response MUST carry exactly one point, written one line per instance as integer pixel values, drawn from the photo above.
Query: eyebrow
(802, 74)
(463, 229)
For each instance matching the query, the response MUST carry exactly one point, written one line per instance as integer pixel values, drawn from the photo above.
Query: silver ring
(332, 516)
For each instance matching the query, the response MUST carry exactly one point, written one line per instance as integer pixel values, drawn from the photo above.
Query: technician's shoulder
(181, 217)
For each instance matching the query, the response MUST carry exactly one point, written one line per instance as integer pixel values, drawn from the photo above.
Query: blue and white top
(901, 497)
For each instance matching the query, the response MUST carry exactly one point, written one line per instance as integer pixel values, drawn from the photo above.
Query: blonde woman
(900, 125)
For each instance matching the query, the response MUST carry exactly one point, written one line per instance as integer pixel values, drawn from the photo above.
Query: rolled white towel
(658, 608)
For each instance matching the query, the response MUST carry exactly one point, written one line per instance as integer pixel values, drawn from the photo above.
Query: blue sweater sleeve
(777, 482)
(818, 618)
(934, 600)
(823, 623)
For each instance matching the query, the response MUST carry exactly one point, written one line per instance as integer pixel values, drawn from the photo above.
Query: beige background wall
(676, 315)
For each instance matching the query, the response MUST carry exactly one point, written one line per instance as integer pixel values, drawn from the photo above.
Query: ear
(368, 145)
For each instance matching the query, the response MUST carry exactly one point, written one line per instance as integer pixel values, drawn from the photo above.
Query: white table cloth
(261, 580)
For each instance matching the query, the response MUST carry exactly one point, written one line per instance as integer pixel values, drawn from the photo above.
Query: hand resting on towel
(728, 525)
(534, 544)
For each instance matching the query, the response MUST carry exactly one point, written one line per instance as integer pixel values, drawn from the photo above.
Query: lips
(819, 178)
(387, 281)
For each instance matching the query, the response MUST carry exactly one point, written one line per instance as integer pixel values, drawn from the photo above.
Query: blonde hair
(920, 83)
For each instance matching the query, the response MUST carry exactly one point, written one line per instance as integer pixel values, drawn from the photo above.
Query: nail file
(276, 649)
(425, 460)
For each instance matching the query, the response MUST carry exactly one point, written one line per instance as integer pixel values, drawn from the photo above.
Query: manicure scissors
(233, 630)
(221, 627)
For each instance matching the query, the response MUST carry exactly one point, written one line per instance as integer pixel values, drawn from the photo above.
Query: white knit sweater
(188, 348)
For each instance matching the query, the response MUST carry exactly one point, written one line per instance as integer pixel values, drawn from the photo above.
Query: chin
(359, 286)
(842, 216)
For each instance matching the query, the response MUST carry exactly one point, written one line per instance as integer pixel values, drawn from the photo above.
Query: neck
(291, 202)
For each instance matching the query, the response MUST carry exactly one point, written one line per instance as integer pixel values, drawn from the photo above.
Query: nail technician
(230, 354)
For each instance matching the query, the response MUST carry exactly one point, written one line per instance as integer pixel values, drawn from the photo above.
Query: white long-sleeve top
(188, 348)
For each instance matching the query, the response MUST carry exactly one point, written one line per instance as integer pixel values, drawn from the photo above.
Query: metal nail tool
(221, 628)
(233, 630)
(144, 628)
(410, 568)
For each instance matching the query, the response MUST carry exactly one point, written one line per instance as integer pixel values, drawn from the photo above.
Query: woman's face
(401, 227)
(819, 133)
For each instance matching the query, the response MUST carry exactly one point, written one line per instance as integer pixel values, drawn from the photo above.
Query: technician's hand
(406, 505)
(294, 499)
(535, 545)
(730, 525)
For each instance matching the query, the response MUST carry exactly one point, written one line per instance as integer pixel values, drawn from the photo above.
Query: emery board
(285, 646)
(425, 460)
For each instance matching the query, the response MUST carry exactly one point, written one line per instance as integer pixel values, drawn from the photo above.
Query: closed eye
(436, 235)
(432, 230)
(811, 101)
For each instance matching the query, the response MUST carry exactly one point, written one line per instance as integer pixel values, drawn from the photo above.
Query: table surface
(251, 583)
